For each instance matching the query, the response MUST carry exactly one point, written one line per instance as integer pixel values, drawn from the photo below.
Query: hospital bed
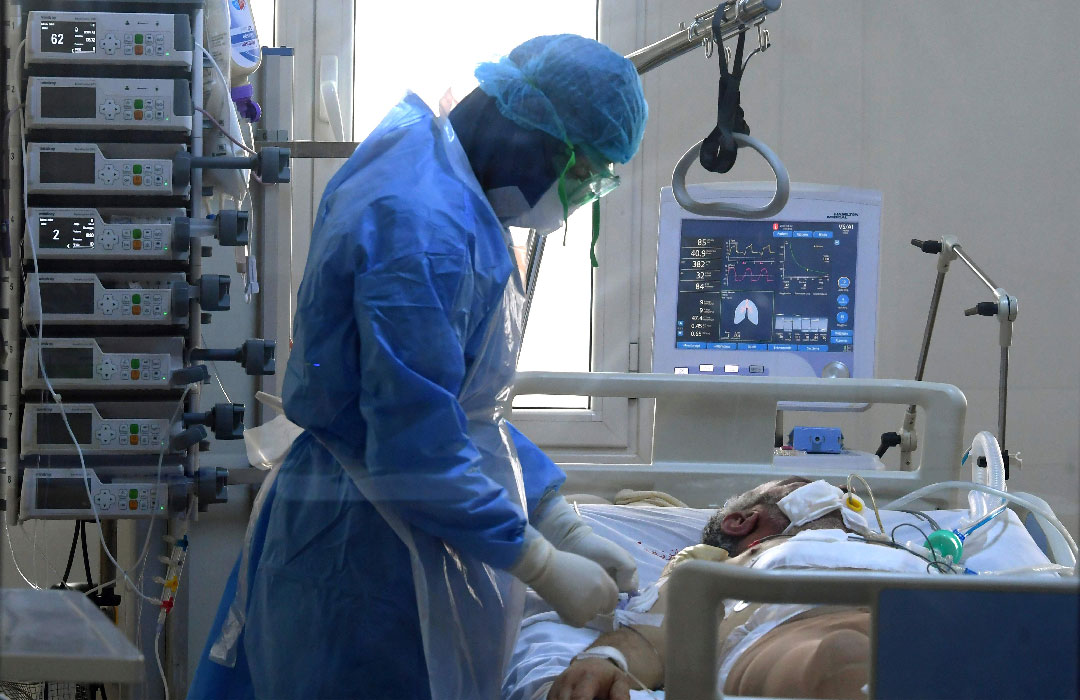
(733, 420)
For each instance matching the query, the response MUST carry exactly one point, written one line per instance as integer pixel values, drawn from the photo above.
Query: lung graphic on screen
(746, 311)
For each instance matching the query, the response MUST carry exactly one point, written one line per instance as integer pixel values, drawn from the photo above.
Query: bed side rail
(726, 424)
(699, 588)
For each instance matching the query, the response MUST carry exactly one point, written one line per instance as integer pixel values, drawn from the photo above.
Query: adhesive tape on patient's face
(810, 502)
(855, 521)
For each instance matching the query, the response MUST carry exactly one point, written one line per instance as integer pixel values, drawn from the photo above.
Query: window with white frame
(580, 319)
(558, 334)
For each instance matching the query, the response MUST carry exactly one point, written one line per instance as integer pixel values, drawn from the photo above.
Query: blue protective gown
(395, 511)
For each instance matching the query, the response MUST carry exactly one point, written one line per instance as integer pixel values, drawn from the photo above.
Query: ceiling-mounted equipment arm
(737, 14)
(778, 202)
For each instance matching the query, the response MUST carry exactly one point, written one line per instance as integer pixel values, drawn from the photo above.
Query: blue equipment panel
(817, 440)
(968, 644)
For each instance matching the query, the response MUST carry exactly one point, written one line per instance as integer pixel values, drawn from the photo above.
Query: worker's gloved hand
(562, 527)
(577, 588)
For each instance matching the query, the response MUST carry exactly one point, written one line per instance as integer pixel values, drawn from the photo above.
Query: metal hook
(763, 38)
(691, 30)
(710, 46)
(727, 53)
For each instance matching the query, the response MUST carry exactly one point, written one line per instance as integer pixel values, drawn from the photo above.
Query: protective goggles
(586, 178)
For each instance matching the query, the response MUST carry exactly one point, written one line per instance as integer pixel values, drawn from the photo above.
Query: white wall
(964, 114)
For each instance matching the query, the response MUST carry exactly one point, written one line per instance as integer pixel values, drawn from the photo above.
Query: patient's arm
(643, 647)
(599, 678)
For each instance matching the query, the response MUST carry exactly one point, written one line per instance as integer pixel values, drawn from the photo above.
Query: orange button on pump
(134, 374)
(138, 50)
(136, 180)
(134, 439)
(138, 114)
(136, 310)
(133, 505)
(137, 245)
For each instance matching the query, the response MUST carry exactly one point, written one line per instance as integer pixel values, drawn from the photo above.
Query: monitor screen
(68, 37)
(68, 168)
(68, 363)
(766, 286)
(51, 429)
(68, 102)
(62, 494)
(67, 298)
(66, 231)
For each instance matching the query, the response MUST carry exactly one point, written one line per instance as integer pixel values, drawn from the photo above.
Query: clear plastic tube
(993, 514)
(993, 474)
(1040, 569)
(1022, 502)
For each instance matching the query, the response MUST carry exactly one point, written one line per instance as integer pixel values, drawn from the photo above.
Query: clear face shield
(587, 177)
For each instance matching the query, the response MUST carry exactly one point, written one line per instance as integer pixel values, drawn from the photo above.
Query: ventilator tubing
(1025, 503)
(993, 475)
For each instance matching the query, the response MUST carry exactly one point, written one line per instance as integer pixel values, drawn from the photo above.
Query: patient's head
(754, 515)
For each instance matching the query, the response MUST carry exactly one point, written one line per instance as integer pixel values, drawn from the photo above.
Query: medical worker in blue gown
(388, 556)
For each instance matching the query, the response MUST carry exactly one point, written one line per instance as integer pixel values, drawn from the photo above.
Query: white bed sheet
(654, 535)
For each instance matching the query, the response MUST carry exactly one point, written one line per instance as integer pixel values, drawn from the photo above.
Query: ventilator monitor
(792, 296)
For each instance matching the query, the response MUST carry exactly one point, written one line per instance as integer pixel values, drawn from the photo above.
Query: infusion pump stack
(113, 248)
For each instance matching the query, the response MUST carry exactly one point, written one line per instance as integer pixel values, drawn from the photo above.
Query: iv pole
(1004, 306)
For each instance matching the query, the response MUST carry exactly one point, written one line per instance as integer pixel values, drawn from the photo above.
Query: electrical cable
(752, 54)
(213, 364)
(218, 125)
(157, 657)
(895, 545)
(102, 586)
(923, 516)
(214, 64)
(15, 560)
(71, 555)
(38, 555)
(85, 553)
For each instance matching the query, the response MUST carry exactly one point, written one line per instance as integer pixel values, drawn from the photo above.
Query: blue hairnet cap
(574, 89)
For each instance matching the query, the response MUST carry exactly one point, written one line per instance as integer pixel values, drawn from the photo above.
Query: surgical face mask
(808, 503)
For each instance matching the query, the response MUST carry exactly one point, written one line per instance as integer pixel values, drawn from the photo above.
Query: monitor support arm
(1004, 306)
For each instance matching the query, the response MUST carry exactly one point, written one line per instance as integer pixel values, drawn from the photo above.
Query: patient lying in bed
(766, 650)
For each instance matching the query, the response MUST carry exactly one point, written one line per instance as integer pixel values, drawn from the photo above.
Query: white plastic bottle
(246, 55)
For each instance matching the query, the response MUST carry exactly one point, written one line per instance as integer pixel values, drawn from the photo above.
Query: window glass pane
(558, 337)
(263, 12)
(429, 46)
(445, 43)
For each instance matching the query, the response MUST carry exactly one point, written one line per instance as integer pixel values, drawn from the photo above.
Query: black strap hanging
(719, 150)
